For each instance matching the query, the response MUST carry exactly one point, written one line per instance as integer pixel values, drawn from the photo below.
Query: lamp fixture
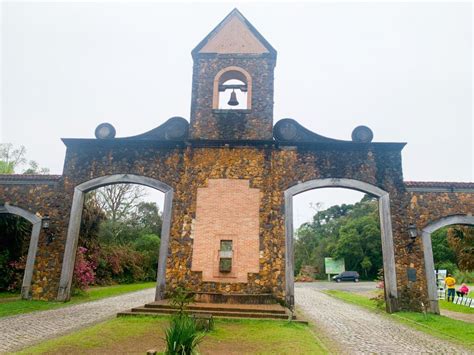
(413, 233)
(45, 222)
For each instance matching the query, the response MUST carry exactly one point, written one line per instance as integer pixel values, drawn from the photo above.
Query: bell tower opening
(232, 90)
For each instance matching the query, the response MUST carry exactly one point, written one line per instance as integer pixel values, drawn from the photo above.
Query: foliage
(461, 241)
(125, 250)
(182, 337)
(147, 218)
(379, 298)
(351, 232)
(14, 241)
(464, 277)
(180, 298)
(120, 264)
(17, 268)
(118, 200)
(12, 158)
(442, 252)
(5, 270)
(447, 265)
(84, 274)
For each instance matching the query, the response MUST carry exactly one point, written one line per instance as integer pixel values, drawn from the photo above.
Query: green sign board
(334, 266)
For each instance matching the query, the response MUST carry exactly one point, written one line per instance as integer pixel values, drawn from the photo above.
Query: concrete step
(234, 316)
(215, 297)
(222, 312)
(261, 308)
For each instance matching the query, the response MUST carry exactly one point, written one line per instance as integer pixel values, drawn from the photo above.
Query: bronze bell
(233, 99)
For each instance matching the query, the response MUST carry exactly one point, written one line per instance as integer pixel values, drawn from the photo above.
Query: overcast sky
(403, 69)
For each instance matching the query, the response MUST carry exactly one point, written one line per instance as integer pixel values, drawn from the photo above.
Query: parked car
(347, 276)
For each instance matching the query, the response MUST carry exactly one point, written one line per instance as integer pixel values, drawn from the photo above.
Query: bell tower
(232, 90)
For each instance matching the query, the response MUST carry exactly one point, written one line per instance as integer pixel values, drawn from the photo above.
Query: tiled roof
(28, 178)
(439, 185)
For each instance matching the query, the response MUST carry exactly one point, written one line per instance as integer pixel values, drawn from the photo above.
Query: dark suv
(347, 276)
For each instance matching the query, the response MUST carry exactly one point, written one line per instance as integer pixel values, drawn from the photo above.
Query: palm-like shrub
(182, 337)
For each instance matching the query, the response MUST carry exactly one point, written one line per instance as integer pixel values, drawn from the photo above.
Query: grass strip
(139, 334)
(449, 306)
(436, 325)
(18, 306)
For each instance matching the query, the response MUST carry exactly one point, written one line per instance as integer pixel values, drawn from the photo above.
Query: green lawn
(438, 326)
(139, 334)
(449, 306)
(9, 295)
(13, 307)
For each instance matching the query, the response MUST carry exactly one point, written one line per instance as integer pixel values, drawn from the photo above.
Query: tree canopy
(11, 159)
(348, 231)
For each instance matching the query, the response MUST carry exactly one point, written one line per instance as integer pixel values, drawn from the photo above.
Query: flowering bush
(119, 264)
(379, 298)
(17, 270)
(84, 274)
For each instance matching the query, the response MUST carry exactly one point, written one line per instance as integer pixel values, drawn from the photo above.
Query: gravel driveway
(23, 330)
(356, 330)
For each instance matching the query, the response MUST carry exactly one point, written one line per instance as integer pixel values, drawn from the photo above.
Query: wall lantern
(413, 233)
(45, 222)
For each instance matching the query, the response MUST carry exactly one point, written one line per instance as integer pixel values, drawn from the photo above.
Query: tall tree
(461, 240)
(119, 201)
(344, 231)
(12, 158)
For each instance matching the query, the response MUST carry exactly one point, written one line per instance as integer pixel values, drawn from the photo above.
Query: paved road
(20, 331)
(358, 287)
(358, 330)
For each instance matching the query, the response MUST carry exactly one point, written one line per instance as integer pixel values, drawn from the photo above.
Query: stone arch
(33, 247)
(232, 72)
(428, 252)
(391, 294)
(75, 224)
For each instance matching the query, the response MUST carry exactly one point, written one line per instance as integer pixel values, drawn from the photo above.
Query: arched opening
(428, 253)
(33, 244)
(232, 89)
(390, 289)
(75, 225)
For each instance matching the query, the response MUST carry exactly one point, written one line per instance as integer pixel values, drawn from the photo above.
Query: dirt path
(357, 330)
(466, 317)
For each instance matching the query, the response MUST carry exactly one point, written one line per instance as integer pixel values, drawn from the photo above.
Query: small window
(225, 265)
(226, 245)
(225, 256)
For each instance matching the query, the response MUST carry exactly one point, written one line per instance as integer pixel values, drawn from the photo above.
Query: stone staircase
(250, 306)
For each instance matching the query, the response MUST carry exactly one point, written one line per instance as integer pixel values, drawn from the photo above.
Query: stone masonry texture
(269, 168)
(236, 146)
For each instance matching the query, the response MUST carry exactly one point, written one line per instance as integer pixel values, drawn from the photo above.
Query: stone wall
(256, 123)
(270, 168)
(424, 203)
(41, 195)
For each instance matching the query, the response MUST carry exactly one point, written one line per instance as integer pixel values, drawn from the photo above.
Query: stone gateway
(229, 176)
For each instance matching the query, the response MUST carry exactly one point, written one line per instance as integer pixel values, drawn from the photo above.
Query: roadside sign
(334, 266)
